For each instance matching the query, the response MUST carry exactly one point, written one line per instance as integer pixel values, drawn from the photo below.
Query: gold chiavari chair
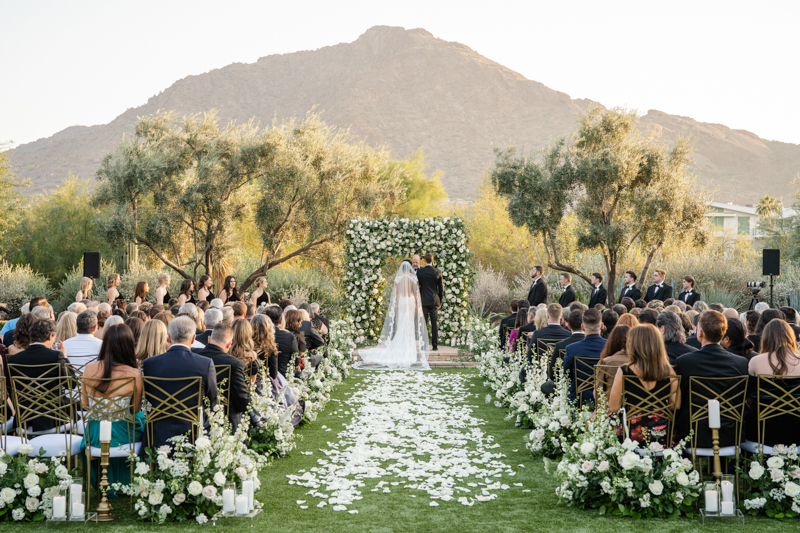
(544, 345)
(640, 403)
(583, 374)
(224, 383)
(174, 399)
(777, 405)
(9, 443)
(603, 378)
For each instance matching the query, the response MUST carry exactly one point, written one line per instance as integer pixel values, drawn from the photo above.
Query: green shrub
(19, 283)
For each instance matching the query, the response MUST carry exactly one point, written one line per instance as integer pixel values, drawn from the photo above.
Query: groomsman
(568, 296)
(538, 291)
(659, 290)
(689, 295)
(630, 289)
(599, 293)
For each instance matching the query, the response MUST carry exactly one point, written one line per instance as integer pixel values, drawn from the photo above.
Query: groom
(431, 291)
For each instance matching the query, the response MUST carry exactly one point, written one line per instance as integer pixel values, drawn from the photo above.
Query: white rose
(795, 472)
(587, 466)
(682, 479)
(155, 498)
(656, 487)
(202, 519)
(539, 433)
(24, 449)
(62, 472)
(31, 480)
(776, 475)
(219, 478)
(587, 448)
(791, 489)
(41, 468)
(630, 445)
(775, 462)
(142, 469)
(655, 447)
(210, 492)
(8, 494)
(629, 460)
(3, 468)
(564, 421)
(179, 498)
(31, 504)
(603, 466)
(553, 426)
(35, 491)
(195, 488)
(18, 513)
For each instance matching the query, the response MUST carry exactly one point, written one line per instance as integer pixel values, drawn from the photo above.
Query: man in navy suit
(630, 290)
(538, 291)
(179, 362)
(599, 293)
(659, 290)
(568, 296)
(590, 346)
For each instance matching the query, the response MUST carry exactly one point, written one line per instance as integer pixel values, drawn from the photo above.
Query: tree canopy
(10, 198)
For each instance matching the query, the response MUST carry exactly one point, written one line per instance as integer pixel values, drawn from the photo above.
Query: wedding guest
(312, 336)
(716, 307)
(260, 295)
(85, 291)
(117, 360)
(227, 315)
(22, 334)
(264, 343)
(175, 308)
(599, 294)
(152, 341)
(613, 356)
(141, 315)
(251, 311)
(229, 292)
(528, 325)
(322, 329)
(285, 341)
(540, 317)
(315, 312)
(667, 302)
(791, 318)
(674, 335)
(628, 320)
(179, 362)
(568, 296)
(619, 309)
(590, 346)
(203, 305)
(284, 303)
(766, 317)
(102, 316)
(140, 292)
(162, 291)
(293, 320)
(76, 307)
(112, 282)
(629, 303)
(687, 324)
(135, 324)
(681, 306)
(640, 304)
(84, 347)
(700, 306)
(44, 312)
(659, 290)
(574, 323)
(656, 305)
(730, 312)
(537, 294)
(735, 340)
(548, 334)
(212, 317)
(216, 303)
(636, 312)
(751, 321)
(155, 310)
(629, 290)
(760, 307)
(239, 310)
(508, 322)
(648, 362)
(66, 327)
(186, 292)
(131, 307)
(11, 324)
(217, 349)
(648, 316)
(242, 348)
(609, 320)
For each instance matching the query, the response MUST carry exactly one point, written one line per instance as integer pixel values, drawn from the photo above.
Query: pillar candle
(727, 491)
(227, 501)
(247, 490)
(241, 504)
(75, 492)
(711, 501)
(78, 510)
(105, 431)
(713, 414)
(727, 508)
(59, 506)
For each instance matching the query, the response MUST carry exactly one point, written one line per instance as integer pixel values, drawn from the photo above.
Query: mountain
(406, 89)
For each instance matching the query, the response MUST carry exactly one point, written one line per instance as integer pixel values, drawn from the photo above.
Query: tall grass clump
(19, 283)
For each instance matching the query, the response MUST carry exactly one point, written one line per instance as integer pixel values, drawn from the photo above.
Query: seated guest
(717, 307)
(657, 305)
(67, 326)
(155, 310)
(549, 334)
(174, 308)
(528, 325)
(760, 307)
(315, 311)
(635, 312)
(84, 347)
(712, 361)
(568, 296)
(574, 323)
(131, 307)
(212, 317)
(590, 346)
(619, 309)
(117, 360)
(179, 362)
(508, 322)
(11, 324)
(674, 336)
(152, 340)
(791, 319)
(692, 339)
(203, 306)
(681, 306)
(217, 350)
(284, 303)
(639, 304)
(628, 303)
(293, 320)
(668, 302)
(285, 341)
(765, 318)
(628, 320)
(111, 321)
(239, 310)
(649, 363)
(609, 320)
(735, 340)
(779, 357)
(136, 324)
(264, 343)
(44, 312)
(251, 311)
(751, 321)
(217, 303)
(730, 312)
(313, 338)
(242, 348)
(190, 310)
(613, 356)
(700, 306)
(648, 316)
(227, 316)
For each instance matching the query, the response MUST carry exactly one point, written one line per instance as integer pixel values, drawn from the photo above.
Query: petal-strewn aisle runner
(413, 430)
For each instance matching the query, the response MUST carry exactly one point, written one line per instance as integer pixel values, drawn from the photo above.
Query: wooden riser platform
(444, 357)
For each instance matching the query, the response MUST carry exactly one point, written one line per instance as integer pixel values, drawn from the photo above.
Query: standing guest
(239, 310)
(260, 296)
(264, 343)
(67, 326)
(152, 340)
(765, 318)
(112, 294)
(284, 340)
(84, 347)
(568, 296)
(630, 290)
(140, 292)
(671, 328)
(659, 290)
(205, 284)
(735, 340)
(609, 320)
(162, 291)
(135, 324)
(179, 362)
(431, 292)
(689, 295)
(508, 322)
(613, 356)
(229, 292)
(791, 319)
(85, 292)
(599, 293)
(648, 362)
(212, 317)
(242, 348)
(186, 295)
(217, 349)
(537, 294)
(590, 346)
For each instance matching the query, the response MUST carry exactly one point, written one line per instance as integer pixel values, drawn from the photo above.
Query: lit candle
(59, 506)
(105, 431)
(727, 508)
(727, 491)
(75, 492)
(711, 501)
(78, 510)
(713, 414)
(247, 490)
(227, 501)
(241, 504)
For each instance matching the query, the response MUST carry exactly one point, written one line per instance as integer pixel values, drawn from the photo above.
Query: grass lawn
(512, 510)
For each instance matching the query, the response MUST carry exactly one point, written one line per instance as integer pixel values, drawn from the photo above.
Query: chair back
(544, 345)
(102, 399)
(41, 397)
(777, 407)
(731, 392)
(3, 412)
(583, 374)
(640, 403)
(178, 399)
(604, 374)
(224, 383)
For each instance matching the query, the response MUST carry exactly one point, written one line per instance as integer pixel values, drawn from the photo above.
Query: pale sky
(85, 62)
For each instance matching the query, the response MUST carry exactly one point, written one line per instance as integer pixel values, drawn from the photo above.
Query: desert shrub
(19, 283)
(490, 293)
(712, 293)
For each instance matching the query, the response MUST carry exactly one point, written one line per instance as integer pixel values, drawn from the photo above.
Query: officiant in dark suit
(431, 291)
(538, 291)
(568, 296)
(630, 290)
(599, 293)
(689, 295)
(659, 290)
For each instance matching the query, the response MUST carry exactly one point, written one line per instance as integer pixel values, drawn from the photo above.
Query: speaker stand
(771, 303)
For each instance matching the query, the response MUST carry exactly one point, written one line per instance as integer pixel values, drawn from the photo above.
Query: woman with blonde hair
(67, 326)
(242, 347)
(113, 320)
(260, 295)
(540, 319)
(85, 292)
(112, 282)
(627, 320)
(162, 292)
(264, 343)
(152, 340)
(140, 293)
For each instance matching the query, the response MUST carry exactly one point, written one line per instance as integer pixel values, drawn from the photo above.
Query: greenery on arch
(371, 241)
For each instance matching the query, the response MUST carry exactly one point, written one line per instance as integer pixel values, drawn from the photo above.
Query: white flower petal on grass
(299, 502)
(339, 508)
(433, 504)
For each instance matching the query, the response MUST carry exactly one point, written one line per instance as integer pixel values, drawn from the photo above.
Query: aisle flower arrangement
(27, 486)
(774, 484)
(555, 421)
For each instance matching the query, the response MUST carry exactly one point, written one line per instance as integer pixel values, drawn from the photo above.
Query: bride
(404, 339)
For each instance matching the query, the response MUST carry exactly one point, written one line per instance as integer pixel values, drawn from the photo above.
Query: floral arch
(371, 241)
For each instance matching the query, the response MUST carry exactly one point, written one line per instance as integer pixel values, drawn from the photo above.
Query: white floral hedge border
(371, 241)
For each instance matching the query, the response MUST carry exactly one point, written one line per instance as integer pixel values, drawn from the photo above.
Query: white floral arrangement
(27, 486)
(370, 241)
(555, 421)
(774, 484)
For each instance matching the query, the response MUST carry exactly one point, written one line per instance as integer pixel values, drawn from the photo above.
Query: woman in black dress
(229, 292)
(735, 340)
(112, 294)
(204, 288)
(187, 290)
(260, 295)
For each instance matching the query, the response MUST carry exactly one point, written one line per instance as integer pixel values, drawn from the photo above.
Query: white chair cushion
(9, 425)
(754, 447)
(119, 451)
(55, 444)
(727, 451)
(12, 443)
(645, 452)
(80, 428)
(50, 431)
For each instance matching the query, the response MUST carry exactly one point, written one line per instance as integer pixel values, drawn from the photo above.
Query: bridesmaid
(112, 294)
(204, 288)
(260, 295)
(229, 292)
(86, 290)
(162, 292)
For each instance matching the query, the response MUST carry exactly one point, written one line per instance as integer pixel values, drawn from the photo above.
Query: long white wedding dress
(404, 339)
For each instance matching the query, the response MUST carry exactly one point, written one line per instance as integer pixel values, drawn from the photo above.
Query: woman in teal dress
(117, 359)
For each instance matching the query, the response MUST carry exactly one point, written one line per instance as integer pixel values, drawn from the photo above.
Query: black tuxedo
(431, 292)
(39, 354)
(506, 325)
(693, 297)
(204, 337)
(537, 293)
(178, 362)
(677, 349)
(552, 332)
(312, 336)
(692, 341)
(655, 293)
(287, 345)
(567, 297)
(599, 296)
(634, 293)
(558, 352)
(237, 383)
(712, 360)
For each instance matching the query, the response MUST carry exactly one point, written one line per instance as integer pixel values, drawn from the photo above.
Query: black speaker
(772, 262)
(91, 265)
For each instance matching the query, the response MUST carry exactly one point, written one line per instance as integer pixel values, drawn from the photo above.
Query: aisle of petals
(411, 430)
